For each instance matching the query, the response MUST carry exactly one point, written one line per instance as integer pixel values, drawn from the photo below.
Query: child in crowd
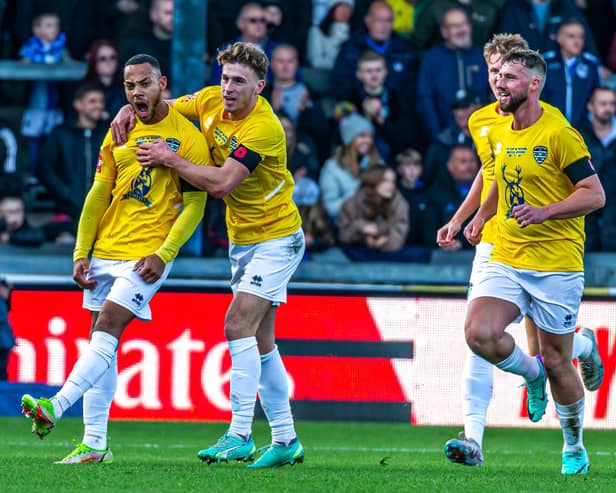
(409, 167)
(374, 223)
(46, 46)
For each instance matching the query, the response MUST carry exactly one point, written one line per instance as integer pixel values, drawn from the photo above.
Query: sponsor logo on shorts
(568, 322)
(256, 281)
(137, 299)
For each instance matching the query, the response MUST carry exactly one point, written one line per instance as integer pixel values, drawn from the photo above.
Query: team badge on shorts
(540, 153)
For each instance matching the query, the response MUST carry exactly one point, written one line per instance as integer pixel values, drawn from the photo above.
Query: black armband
(579, 170)
(248, 158)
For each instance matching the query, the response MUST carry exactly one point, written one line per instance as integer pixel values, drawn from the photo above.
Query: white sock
(571, 418)
(96, 404)
(520, 363)
(274, 396)
(582, 346)
(89, 368)
(478, 375)
(245, 375)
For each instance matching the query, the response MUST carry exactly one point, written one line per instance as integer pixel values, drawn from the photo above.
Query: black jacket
(68, 162)
(401, 58)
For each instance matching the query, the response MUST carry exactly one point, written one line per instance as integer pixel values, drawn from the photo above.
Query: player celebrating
(247, 144)
(131, 222)
(478, 373)
(544, 185)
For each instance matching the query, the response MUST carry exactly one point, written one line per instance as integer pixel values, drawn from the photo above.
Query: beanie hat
(353, 125)
(306, 191)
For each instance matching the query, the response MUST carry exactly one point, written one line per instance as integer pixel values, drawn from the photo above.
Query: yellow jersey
(145, 201)
(529, 168)
(479, 124)
(261, 207)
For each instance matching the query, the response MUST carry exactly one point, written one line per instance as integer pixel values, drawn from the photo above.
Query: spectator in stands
(287, 22)
(119, 17)
(46, 46)
(456, 133)
(537, 21)
(8, 150)
(389, 112)
(448, 71)
(82, 21)
(157, 40)
(378, 36)
(70, 154)
(373, 224)
(599, 130)
(7, 338)
(409, 167)
(450, 189)
(572, 73)
(325, 39)
(302, 155)
(339, 178)
(600, 16)
(483, 15)
(290, 95)
(315, 223)
(104, 69)
(14, 226)
(253, 29)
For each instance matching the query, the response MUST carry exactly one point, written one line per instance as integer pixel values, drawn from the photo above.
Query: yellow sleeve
(188, 105)
(94, 208)
(184, 225)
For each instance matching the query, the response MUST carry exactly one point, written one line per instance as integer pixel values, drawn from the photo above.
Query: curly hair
(503, 43)
(247, 54)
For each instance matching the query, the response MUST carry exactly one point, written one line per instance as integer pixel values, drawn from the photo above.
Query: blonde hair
(247, 54)
(503, 43)
(347, 156)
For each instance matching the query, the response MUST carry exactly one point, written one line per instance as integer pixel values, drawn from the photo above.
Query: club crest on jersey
(220, 137)
(174, 144)
(147, 139)
(540, 153)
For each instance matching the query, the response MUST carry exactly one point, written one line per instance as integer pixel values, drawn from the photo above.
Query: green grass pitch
(340, 457)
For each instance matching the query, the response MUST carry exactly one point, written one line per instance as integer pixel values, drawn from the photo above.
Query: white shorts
(264, 269)
(117, 282)
(551, 299)
(480, 261)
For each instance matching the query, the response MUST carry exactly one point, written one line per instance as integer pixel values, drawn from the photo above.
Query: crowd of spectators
(374, 97)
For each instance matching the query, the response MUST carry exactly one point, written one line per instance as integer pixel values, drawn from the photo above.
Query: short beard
(514, 103)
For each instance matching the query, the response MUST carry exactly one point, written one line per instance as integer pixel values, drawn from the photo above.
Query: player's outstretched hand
(150, 268)
(446, 235)
(473, 230)
(527, 214)
(81, 274)
(123, 123)
(158, 154)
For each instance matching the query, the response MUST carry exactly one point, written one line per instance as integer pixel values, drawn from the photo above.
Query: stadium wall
(350, 355)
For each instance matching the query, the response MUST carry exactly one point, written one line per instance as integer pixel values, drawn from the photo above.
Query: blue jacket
(444, 72)
(400, 55)
(518, 16)
(570, 88)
